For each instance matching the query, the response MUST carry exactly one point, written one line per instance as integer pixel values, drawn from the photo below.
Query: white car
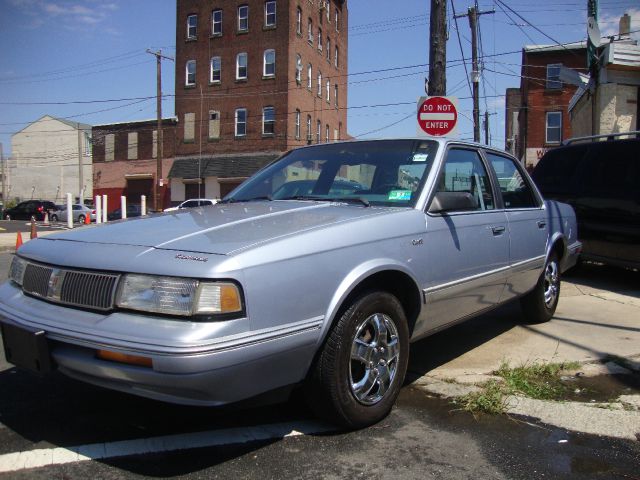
(193, 202)
(80, 212)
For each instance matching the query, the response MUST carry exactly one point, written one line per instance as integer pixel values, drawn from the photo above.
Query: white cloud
(72, 14)
(609, 23)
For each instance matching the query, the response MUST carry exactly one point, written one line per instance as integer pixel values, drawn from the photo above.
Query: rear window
(611, 170)
(556, 171)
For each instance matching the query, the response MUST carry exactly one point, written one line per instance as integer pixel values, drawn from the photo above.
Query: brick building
(254, 79)
(543, 119)
(125, 160)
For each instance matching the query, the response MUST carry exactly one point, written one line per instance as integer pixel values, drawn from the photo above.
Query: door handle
(542, 224)
(499, 230)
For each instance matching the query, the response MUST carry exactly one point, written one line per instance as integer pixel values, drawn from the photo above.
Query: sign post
(437, 116)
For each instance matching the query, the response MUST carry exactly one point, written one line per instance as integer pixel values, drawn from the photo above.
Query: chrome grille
(36, 279)
(95, 290)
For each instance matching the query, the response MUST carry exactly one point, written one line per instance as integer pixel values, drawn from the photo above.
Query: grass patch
(536, 380)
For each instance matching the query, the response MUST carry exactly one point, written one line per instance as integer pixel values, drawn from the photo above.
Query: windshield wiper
(253, 199)
(319, 198)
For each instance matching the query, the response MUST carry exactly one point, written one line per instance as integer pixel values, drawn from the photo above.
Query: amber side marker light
(124, 358)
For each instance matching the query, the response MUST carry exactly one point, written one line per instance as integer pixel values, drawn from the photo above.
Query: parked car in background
(256, 295)
(29, 209)
(600, 178)
(79, 213)
(193, 202)
(132, 211)
(305, 187)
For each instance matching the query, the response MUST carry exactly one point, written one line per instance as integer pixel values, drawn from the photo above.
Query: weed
(491, 399)
(537, 380)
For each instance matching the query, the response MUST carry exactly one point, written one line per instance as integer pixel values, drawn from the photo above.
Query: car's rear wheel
(357, 375)
(54, 217)
(81, 219)
(540, 304)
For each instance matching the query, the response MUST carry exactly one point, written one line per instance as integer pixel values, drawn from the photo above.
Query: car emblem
(180, 256)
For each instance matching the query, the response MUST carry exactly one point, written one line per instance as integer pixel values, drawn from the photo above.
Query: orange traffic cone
(87, 219)
(18, 240)
(34, 233)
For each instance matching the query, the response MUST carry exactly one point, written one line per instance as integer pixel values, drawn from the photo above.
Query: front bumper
(199, 368)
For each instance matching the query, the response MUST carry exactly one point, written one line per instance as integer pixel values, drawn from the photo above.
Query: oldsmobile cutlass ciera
(294, 279)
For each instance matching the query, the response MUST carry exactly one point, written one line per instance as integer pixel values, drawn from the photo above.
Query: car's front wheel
(357, 375)
(54, 217)
(540, 304)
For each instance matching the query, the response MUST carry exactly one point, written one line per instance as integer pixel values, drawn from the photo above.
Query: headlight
(178, 296)
(18, 266)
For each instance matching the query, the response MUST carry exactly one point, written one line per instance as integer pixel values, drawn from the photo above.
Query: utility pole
(80, 168)
(473, 15)
(486, 128)
(156, 185)
(437, 48)
(4, 180)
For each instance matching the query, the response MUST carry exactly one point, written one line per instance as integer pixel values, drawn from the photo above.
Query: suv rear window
(557, 169)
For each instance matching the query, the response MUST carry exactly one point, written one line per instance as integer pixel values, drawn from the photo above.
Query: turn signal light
(124, 358)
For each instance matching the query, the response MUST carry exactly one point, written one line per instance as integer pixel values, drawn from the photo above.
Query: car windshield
(382, 172)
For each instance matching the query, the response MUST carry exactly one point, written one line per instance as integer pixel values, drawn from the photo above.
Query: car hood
(220, 229)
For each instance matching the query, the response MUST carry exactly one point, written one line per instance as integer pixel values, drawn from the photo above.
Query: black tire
(54, 218)
(539, 305)
(81, 219)
(356, 393)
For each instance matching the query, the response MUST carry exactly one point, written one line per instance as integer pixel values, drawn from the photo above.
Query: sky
(74, 58)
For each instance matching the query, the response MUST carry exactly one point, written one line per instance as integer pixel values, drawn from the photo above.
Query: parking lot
(54, 427)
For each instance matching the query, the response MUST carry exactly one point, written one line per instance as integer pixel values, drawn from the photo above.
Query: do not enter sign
(437, 116)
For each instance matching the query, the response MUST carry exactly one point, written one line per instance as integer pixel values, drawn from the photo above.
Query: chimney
(625, 25)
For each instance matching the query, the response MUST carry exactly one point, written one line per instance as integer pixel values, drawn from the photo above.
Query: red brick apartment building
(254, 78)
(125, 159)
(539, 119)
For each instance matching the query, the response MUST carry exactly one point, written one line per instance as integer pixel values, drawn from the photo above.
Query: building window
(320, 84)
(216, 22)
(335, 57)
(328, 50)
(241, 122)
(190, 73)
(269, 63)
(268, 120)
(216, 70)
(319, 39)
(297, 124)
(243, 18)
(326, 133)
(335, 134)
(553, 76)
(241, 66)
(189, 127)
(309, 129)
(270, 14)
(310, 32)
(132, 146)
(214, 124)
(309, 76)
(337, 22)
(328, 91)
(318, 131)
(327, 6)
(87, 144)
(335, 95)
(109, 147)
(298, 69)
(554, 127)
(192, 27)
(299, 21)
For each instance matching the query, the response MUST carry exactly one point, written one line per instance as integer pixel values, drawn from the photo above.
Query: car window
(76, 207)
(557, 170)
(463, 171)
(189, 204)
(611, 170)
(516, 192)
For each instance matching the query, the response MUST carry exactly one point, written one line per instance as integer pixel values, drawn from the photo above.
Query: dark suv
(30, 209)
(600, 178)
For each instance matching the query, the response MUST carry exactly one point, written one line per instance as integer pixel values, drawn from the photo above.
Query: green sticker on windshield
(400, 195)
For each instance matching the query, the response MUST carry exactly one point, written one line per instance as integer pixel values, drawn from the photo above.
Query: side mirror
(452, 201)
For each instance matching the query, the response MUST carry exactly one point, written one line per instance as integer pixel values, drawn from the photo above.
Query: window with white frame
(553, 76)
(553, 127)
(328, 91)
(299, 21)
(327, 6)
(297, 130)
(335, 95)
(241, 66)
(268, 120)
(87, 144)
(243, 18)
(270, 14)
(335, 57)
(216, 22)
(192, 26)
(310, 31)
(309, 128)
(298, 69)
(241, 122)
(318, 131)
(269, 63)
(337, 22)
(216, 70)
(190, 73)
(320, 84)
(309, 76)
(326, 133)
(328, 50)
(319, 39)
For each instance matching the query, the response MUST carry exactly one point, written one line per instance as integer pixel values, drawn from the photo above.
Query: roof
(555, 48)
(136, 122)
(622, 55)
(222, 166)
(47, 118)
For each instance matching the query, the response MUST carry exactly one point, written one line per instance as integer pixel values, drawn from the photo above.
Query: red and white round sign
(437, 116)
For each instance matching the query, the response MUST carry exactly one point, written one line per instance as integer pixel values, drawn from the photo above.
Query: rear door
(528, 223)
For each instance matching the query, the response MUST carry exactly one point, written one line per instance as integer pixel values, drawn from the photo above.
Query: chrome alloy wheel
(551, 283)
(374, 358)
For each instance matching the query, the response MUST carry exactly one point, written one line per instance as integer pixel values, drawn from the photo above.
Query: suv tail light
(40, 209)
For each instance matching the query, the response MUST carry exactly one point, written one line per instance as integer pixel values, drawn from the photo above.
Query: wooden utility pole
(437, 48)
(80, 168)
(4, 180)
(473, 15)
(157, 192)
(486, 128)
